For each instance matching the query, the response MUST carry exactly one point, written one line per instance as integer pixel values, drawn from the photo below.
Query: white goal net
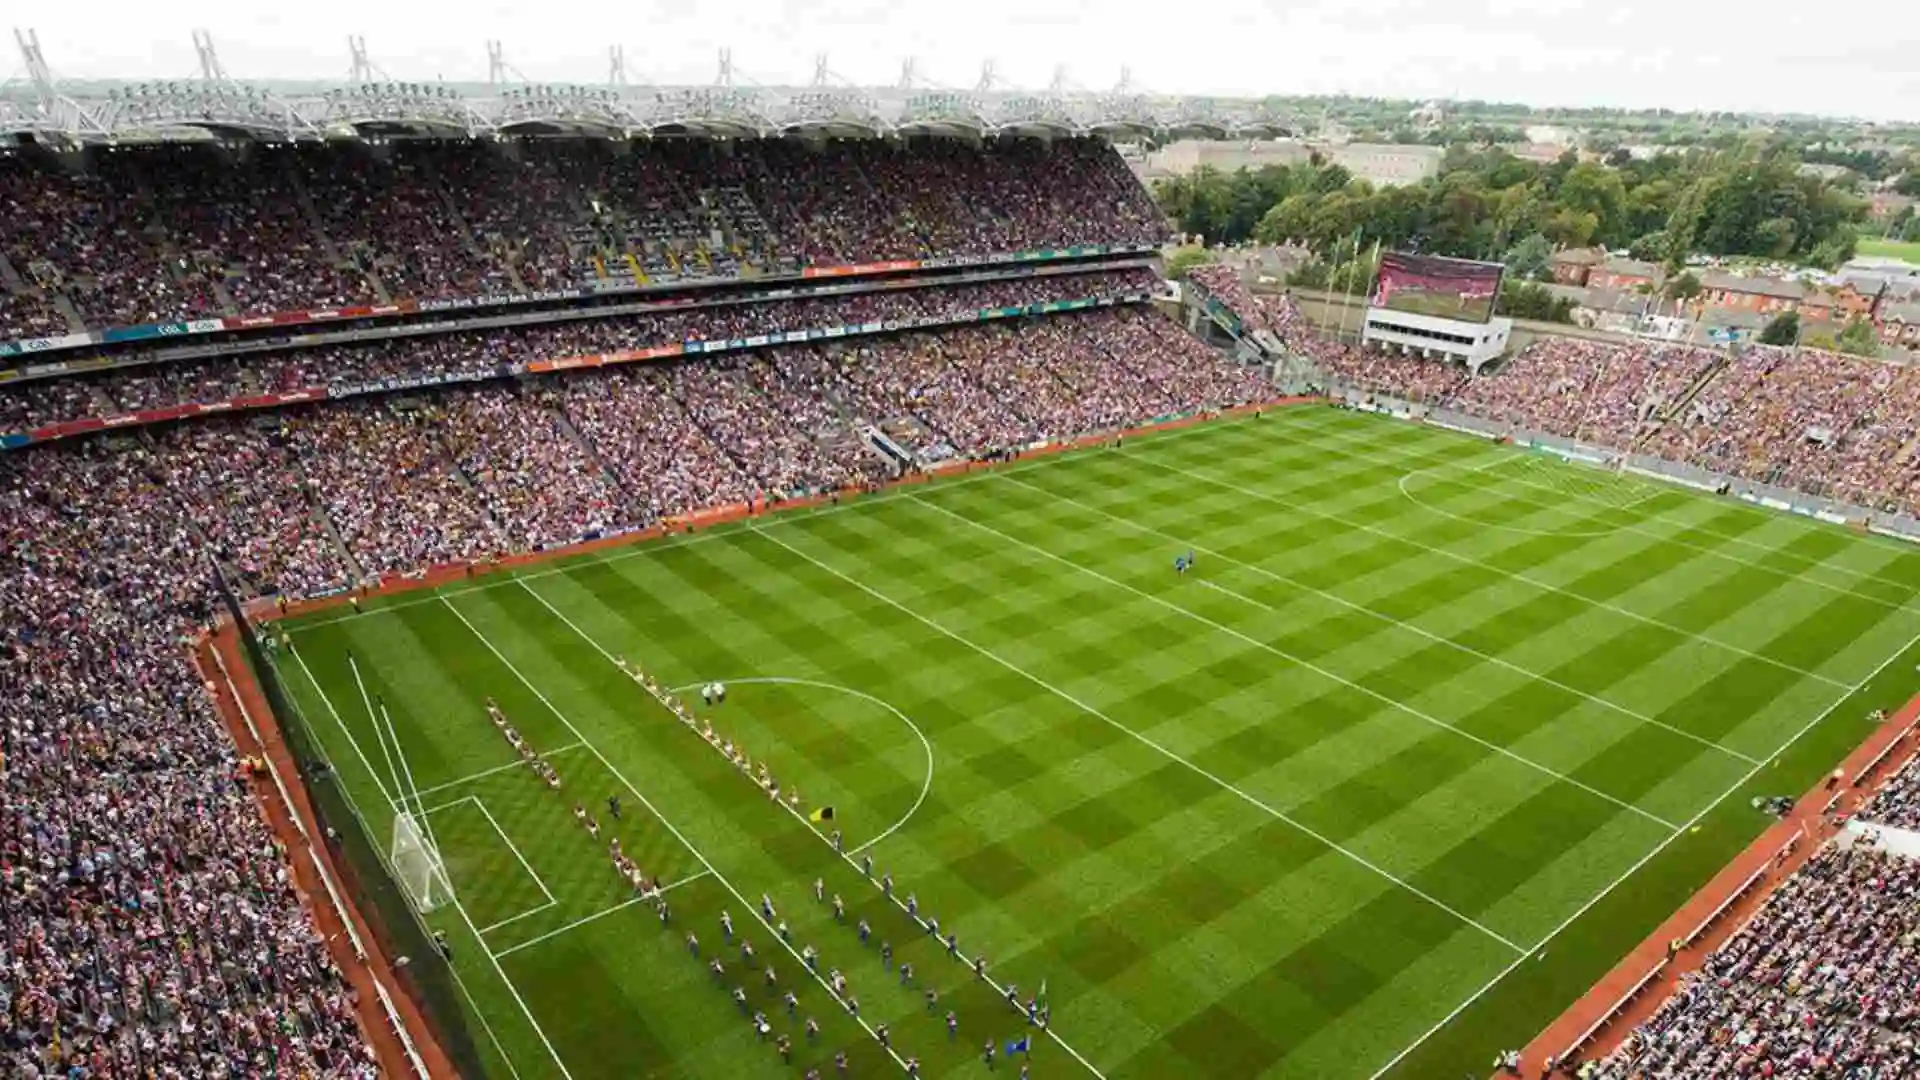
(418, 865)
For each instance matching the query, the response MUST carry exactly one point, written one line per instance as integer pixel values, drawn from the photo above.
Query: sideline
(361, 953)
(1805, 831)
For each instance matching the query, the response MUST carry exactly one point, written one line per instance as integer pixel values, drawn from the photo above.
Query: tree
(1784, 329)
(1292, 219)
(1599, 191)
(1182, 261)
(1573, 228)
(1531, 258)
(1652, 247)
(1834, 250)
(1859, 338)
(1524, 300)
(1909, 183)
(1684, 286)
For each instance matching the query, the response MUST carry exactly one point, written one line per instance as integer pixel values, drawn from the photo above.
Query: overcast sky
(1772, 55)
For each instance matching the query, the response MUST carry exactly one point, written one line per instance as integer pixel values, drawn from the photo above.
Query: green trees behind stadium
(1752, 201)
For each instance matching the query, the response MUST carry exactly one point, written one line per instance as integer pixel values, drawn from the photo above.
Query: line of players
(1036, 1011)
(520, 745)
(644, 888)
(712, 693)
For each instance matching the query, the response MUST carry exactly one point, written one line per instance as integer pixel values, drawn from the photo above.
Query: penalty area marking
(596, 916)
(512, 847)
(926, 783)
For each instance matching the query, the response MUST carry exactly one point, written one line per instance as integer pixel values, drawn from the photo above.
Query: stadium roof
(214, 105)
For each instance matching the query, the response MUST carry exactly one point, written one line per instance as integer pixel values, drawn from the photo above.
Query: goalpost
(416, 862)
(414, 854)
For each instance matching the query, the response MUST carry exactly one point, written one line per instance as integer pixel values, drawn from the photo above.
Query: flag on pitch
(1021, 1045)
(825, 813)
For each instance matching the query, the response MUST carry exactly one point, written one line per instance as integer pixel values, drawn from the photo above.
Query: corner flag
(825, 813)
(1021, 1045)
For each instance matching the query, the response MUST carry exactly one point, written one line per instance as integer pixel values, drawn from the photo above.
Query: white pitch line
(1147, 741)
(1309, 665)
(511, 846)
(926, 782)
(458, 907)
(511, 919)
(752, 909)
(1525, 579)
(640, 548)
(847, 857)
(1660, 537)
(596, 916)
(483, 773)
(1389, 619)
(1644, 860)
(327, 700)
(1539, 464)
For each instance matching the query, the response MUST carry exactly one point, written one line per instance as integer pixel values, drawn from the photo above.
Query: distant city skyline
(1763, 56)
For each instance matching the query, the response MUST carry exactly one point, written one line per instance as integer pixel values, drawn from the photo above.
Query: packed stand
(633, 420)
(476, 354)
(1775, 413)
(240, 222)
(1898, 803)
(395, 219)
(1278, 315)
(87, 235)
(1188, 373)
(390, 487)
(1823, 983)
(30, 315)
(151, 929)
(166, 233)
(1414, 378)
(251, 503)
(540, 484)
(32, 403)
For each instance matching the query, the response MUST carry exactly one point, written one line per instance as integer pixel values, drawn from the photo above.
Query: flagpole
(1326, 308)
(1365, 295)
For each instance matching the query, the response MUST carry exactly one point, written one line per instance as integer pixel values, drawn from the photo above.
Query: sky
(1757, 55)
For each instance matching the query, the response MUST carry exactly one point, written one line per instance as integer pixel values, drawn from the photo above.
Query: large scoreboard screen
(1430, 285)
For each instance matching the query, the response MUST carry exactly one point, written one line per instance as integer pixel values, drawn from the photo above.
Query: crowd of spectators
(302, 499)
(164, 233)
(529, 470)
(1822, 983)
(1898, 803)
(1837, 426)
(150, 925)
(32, 403)
(1596, 392)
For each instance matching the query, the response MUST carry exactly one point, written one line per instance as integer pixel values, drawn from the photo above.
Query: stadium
(714, 582)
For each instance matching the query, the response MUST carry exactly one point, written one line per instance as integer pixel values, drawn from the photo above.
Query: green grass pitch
(1434, 731)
